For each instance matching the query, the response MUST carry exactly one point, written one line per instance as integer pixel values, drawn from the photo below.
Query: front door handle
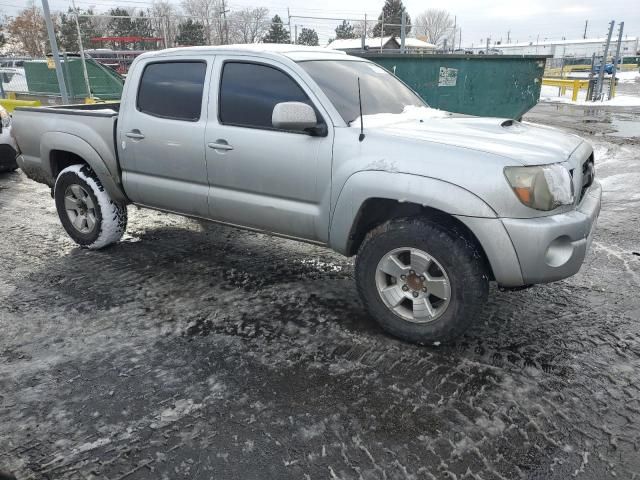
(135, 134)
(220, 145)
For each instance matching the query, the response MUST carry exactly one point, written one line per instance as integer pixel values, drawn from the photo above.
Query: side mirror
(296, 116)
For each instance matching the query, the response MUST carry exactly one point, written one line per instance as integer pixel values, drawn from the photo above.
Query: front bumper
(554, 247)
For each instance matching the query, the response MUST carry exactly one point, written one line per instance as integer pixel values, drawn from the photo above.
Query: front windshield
(381, 92)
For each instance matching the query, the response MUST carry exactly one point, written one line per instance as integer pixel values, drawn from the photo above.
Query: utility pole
(81, 47)
(382, 31)
(586, 24)
(364, 33)
(225, 26)
(54, 51)
(460, 39)
(289, 23)
(612, 81)
(509, 36)
(403, 30)
(455, 27)
(598, 90)
(487, 49)
(295, 29)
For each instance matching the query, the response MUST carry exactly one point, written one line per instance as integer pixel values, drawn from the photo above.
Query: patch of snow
(313, 431)
(410, 113)
(85, 447)
(628, 77)
(493, 426)
(180, 409)
(550, 94)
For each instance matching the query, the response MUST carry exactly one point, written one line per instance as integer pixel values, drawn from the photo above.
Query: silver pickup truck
(319, 146)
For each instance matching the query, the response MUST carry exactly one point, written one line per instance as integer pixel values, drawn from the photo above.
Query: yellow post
(613, 88)
(576, 89)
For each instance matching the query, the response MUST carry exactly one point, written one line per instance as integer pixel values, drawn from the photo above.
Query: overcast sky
(552, 19)
(525, 20)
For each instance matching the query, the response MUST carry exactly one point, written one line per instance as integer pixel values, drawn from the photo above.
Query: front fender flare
(73, 144)
(403, 187)
(471, 210)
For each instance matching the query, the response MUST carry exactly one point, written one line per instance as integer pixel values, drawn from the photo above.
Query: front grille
(588, 175)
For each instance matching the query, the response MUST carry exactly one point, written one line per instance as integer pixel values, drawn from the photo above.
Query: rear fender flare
(70, 143)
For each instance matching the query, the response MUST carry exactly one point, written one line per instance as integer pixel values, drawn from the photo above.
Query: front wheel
(87, 212)
(421, 281)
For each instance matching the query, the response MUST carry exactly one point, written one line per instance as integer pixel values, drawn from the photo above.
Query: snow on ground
(623, 77)
(627, 77)
(551, 94)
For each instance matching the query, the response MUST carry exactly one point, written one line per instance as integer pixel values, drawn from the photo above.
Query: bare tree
(207, 11)
(435, 24)
(359, 28)
(29, 31)
(249, 25)
(166, 25)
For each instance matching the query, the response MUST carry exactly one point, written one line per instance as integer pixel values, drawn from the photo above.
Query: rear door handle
(135, 134)
(220, 145)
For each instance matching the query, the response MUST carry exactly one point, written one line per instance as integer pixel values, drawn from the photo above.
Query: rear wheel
(421, 281)
(87, 212)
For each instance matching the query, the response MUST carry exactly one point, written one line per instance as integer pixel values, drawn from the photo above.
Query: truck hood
(524, 143)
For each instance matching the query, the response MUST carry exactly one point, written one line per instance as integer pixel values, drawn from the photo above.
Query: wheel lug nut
(415, 294)
(403, 277)
(422, 278)
(411, 272)
(405, 288)
(424, 289)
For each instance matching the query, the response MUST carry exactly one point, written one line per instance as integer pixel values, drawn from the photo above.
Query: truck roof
(295, 52)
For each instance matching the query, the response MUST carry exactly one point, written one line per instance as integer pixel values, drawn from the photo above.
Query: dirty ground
(196, 351)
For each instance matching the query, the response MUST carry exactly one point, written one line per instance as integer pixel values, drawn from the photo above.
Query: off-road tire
(110, 216)
(464, 265)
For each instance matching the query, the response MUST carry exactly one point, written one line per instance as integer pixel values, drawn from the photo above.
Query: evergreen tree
(190, 33)
(277, 33)
(120, 27)
(392, 15)
(142, 27)
(308, 36)
(345, 30)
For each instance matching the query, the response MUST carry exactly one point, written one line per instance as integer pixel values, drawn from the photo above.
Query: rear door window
(172, 90)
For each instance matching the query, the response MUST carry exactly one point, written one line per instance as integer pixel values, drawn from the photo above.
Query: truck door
(161, 134)
(259, 176)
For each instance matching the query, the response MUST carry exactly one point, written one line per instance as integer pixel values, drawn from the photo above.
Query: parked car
(315, 145)
(7, 143)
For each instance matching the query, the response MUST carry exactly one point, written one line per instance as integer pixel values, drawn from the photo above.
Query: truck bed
(42, 131)
(93, 109)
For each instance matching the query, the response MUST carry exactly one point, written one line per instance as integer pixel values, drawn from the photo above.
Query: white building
(568, 48)
(385, 44)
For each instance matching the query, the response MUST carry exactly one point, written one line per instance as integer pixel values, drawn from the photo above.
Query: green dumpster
(105, 83)
(482, 85)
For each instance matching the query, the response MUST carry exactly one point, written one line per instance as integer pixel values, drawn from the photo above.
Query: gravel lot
(198, 351)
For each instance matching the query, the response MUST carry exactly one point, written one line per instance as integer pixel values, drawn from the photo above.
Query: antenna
(361, 137)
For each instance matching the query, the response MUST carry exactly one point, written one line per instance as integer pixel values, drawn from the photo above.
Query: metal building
(565, 48)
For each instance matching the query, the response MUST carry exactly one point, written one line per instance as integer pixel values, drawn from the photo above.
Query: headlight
(4, 117)
(542, 187)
